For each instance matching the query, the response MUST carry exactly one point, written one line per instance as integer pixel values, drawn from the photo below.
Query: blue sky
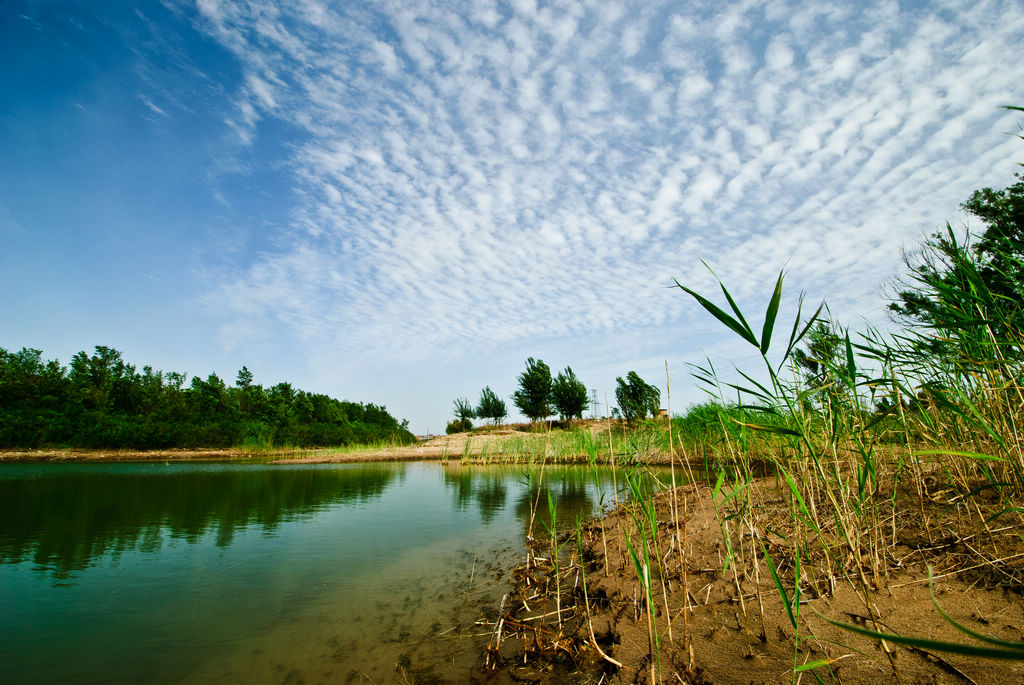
(399, 202)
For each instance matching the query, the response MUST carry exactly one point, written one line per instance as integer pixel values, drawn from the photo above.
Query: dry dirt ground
(728, 628)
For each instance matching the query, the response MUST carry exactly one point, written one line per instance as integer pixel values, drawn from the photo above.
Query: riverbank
(503, 444)
(282, 455)
(587, 619)
(437, 448)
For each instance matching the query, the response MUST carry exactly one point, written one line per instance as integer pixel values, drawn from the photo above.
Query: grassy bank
(856, 514)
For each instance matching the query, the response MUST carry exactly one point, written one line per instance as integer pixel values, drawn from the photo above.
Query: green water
(242, 573)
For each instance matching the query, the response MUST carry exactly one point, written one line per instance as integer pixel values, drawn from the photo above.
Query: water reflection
(486, 487)
(574, 491)
(239, 573)
(65, 518)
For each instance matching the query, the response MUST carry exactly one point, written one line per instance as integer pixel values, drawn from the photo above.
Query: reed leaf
(1007, 510)
(960, 453)
(770, 314)
(768, 428)
(741, 329)
(783, 595)
(747, 391)
(929, 644)
(794, 337)
(814, 664)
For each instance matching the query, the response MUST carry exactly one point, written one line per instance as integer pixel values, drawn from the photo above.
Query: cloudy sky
(399, 202)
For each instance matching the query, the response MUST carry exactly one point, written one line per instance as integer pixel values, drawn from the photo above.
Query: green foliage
(102, 401)
(491, 406)
(244, 379)
(534, 395)
(948, 278)
(708, 423)
(636, 397)
(464, 410)
(569, 395)
(823, 347)
(458, 426)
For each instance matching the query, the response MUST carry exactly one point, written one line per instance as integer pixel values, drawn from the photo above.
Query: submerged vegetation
(102, 401)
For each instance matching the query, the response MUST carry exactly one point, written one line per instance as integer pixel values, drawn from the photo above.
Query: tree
(1001, 245)
(463, 415)
(491, 406)
(102, 401)
(244, 379)
(947, 276)
(825, 345)
(534, 395)
(569, 395)
(636, 397)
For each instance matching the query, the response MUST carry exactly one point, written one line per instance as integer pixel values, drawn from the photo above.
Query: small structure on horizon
(663, 413)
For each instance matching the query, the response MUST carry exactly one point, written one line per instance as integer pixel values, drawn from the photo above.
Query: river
(259, 573)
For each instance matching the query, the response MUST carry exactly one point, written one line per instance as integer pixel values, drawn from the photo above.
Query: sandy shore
(495, 444)
(436, 448)
(715, 624)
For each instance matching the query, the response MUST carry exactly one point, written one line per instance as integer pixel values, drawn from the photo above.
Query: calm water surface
(124, 573)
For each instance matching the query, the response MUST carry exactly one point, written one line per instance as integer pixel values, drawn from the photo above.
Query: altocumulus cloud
(514, 171)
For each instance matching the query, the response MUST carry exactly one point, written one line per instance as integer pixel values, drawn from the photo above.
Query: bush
(458, 426)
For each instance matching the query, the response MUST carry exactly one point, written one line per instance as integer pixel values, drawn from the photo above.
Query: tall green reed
(930, 409)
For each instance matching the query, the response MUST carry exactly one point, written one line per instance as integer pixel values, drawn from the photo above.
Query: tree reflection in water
(65, 521)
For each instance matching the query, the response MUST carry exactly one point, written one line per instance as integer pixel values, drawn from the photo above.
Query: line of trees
(636, 397)
(540, 396)
(99, 400)
(490, 407)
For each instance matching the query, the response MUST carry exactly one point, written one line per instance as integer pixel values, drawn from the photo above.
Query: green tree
(569, 395)
(1001, 245)
(946, 281)
(244, 379)
(464, 414)
(636, 397)
(102, 401)
(825, 350)
(457, 426)
(491, 406)
(534, 395)
(823, 347)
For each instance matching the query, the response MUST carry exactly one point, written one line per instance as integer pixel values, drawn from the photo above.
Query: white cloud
(527, 174)
(262, 90)
(385, 53)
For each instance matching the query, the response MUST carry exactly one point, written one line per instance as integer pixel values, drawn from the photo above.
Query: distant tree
(244, 379)
(822, 349)
(175, 380)
(102, 401)
(491, 406)
(464, 412)
(636, 397)
(569, 395)
(458, 426)
(534, 395)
